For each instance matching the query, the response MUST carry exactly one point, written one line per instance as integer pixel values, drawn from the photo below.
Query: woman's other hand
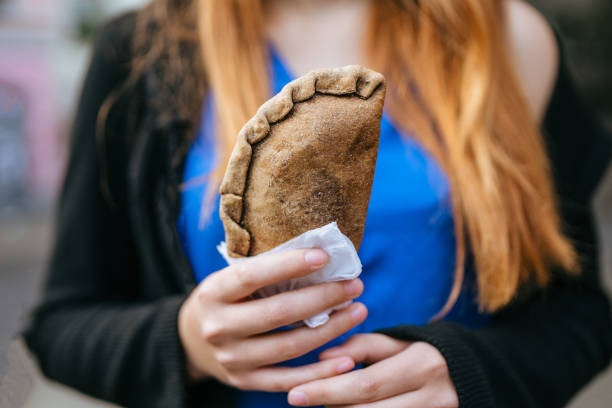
(401, 375)
(225, 334)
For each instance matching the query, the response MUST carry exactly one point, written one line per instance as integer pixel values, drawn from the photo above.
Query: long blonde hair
(451, 83)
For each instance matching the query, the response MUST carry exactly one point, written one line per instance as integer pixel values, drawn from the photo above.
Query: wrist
(194, 374)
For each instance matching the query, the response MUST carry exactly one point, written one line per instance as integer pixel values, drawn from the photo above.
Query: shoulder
(535, 52)
(103, 98)
(114, 39)
(109, 64)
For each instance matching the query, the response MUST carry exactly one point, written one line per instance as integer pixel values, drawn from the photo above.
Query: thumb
(366, 348)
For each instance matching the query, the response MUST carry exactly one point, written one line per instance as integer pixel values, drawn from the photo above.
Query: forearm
(126, 353)
(539, 351)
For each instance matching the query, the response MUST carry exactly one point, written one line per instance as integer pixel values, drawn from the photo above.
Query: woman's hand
(222, 331)
(402, 375)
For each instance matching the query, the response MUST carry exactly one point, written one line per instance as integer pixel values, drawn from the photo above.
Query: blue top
(408, 247)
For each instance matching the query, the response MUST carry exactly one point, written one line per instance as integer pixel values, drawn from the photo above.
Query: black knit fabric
(107, 322)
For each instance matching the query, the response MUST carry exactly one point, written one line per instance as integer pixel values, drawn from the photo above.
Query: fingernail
(315, 257)
(352, 287)
(345, 366)
(298, 398)
(358, 313)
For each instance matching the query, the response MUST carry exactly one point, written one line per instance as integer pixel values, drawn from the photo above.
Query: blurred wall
(44, 47)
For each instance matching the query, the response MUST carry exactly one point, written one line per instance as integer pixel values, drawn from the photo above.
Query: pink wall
(28, 70)
(25, 62)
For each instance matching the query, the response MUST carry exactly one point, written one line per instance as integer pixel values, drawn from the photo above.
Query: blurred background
(44, 51)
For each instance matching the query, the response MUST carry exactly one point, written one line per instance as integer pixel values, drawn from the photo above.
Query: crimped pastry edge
(348, 80)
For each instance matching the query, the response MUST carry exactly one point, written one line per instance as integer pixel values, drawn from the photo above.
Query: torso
(408, 245)
(408, 248)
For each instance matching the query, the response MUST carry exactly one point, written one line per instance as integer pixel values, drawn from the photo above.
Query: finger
(282, 379)
(424, 397)
(416, 399)
(242, 279)
(263, 315)
(276, 347)
(366, 348)
(384, 379)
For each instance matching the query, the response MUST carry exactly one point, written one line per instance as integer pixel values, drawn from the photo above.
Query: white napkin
(343, 264)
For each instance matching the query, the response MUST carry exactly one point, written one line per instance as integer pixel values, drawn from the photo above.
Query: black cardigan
(107, 323)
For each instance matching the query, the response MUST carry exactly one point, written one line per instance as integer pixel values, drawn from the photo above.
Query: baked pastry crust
(305, 159)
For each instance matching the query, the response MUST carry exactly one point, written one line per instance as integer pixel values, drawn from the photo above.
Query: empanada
(306, 158)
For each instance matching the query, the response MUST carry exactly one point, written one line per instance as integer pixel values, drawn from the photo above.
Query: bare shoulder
(533, 48)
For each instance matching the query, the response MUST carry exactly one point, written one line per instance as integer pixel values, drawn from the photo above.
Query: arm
(99, 329)
(542, 349)
(91, 331)
(536, 353)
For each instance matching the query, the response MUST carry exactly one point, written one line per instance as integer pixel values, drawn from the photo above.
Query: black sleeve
(93, 331)
(543, 348)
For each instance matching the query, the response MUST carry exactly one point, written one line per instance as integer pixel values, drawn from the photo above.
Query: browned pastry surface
(306, 159)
